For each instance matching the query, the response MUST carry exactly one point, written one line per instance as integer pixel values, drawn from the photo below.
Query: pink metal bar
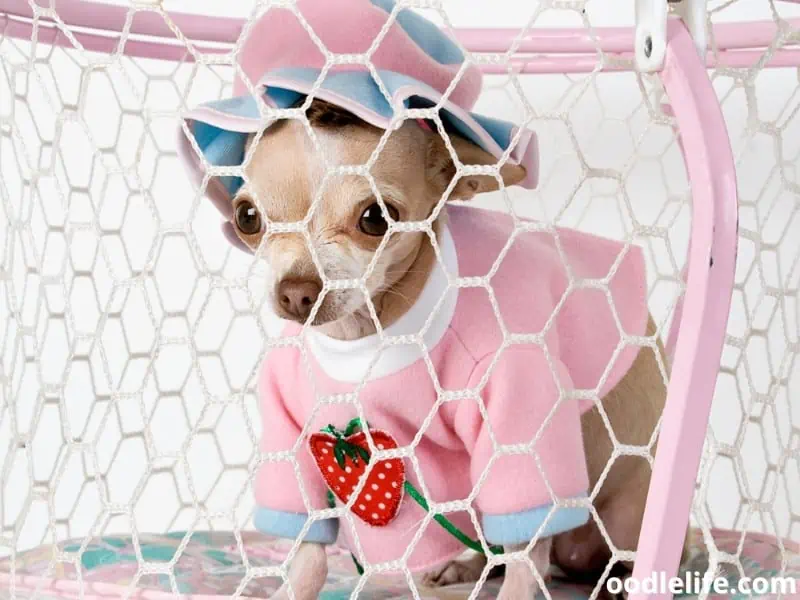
(738, 59)
(727, 36)
(215, 31)
(111, 18)
(550, 41)
(103, 44)
(757, 34)
(585, 62)
(698, 350)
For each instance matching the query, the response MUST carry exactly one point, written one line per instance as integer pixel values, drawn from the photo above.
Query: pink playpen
(127, 417)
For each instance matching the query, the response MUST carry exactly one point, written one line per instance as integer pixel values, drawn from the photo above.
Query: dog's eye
(248, 219)
(372, 221)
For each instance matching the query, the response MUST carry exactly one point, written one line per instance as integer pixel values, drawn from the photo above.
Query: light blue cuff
(290, 525)
(519, 528)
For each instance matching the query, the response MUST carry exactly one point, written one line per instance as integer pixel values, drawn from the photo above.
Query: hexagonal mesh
(133, 334)
(749, 480)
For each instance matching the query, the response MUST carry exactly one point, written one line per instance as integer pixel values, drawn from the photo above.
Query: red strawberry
(342, 459)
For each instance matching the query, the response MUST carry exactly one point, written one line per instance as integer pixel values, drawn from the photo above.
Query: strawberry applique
(342, 459)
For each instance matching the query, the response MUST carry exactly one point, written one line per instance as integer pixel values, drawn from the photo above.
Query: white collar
(349, 361)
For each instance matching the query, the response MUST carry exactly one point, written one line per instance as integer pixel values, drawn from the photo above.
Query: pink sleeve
(521, 397)
(281, 510)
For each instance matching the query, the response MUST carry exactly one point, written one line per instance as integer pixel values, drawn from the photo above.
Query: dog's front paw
(519, 588)
(308, 590)
(307, 574)
(520, 582)
(456, 571)
(301, 592)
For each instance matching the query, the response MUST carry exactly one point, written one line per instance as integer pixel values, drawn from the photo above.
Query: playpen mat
(211, 565)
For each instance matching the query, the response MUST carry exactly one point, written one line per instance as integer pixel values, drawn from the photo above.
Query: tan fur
(286, 172)
(633, 409)
(307, 574)
(522, 579)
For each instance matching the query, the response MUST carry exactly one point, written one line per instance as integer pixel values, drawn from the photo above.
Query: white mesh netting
(131, 332)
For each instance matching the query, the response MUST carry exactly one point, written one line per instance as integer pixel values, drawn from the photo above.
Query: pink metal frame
(699, 336)
(96, 26)
(706, 305)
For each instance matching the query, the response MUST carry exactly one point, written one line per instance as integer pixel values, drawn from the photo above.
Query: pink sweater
(524, 391)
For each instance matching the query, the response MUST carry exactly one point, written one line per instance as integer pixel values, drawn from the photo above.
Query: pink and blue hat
(416, 64)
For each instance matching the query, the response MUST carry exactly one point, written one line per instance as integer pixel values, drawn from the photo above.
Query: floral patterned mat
(208, 565)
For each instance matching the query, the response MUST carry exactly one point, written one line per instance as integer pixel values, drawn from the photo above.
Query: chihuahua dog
(413, 171)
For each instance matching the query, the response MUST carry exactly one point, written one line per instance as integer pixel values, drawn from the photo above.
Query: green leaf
(350, 451)
(338, 453)
(352, 426)
(364, 453)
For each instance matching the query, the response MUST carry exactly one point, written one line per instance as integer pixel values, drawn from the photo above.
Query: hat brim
(220, 129)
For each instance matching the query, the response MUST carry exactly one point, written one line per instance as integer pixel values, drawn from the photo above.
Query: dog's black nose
(297, 296)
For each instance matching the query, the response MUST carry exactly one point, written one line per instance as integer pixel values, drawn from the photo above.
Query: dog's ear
(441, 169)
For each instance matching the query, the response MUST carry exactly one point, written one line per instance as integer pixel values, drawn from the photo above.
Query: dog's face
(347, 226)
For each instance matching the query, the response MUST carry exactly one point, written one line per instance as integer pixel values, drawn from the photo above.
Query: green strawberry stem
(352, 426)
(359, 568)
(344, 448)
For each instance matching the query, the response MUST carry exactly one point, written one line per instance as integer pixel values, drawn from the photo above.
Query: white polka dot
(348, 470)
(381, 446)
(374, 515)
(329, 444)
(342, 479)
(394, 484)
(368, 497)
(375, 486)
(330, 469)
(381, 506)
(381, 476)
(388, 495)
(361, 507)
(388, 465)
(325, 451)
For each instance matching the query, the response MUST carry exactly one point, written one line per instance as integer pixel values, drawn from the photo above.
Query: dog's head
(413, 171)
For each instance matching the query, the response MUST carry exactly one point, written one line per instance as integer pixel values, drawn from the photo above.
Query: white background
(133, 281)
